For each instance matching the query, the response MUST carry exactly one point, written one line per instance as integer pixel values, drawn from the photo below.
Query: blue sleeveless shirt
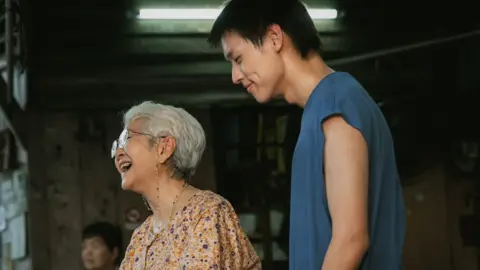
(310, 223)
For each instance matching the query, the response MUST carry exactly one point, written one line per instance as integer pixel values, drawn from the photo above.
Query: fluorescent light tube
(212, 13)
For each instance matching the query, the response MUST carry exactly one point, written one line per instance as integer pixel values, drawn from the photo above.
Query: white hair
(166, 120)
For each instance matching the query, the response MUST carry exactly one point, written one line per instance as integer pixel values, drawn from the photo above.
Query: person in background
(347, 208)
(156, 154)
(102, 242)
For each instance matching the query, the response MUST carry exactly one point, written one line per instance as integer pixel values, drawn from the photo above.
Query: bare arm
(346, 177)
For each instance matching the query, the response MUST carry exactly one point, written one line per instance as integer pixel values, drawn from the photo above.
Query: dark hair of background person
(251, 18)
(109, 233)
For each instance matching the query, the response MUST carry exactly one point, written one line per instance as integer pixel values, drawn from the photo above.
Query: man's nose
(237, 75)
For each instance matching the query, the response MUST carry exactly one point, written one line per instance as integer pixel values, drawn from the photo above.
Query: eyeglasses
(123, 139)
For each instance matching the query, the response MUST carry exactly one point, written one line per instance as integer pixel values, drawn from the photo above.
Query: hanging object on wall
(19, 183)
(3, 218)
(8, 151)
(133, 219)
(466, 155)
(18, 232)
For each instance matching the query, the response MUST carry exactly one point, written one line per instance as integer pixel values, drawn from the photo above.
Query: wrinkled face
(258, 69)
(96, 255)
(135, 157)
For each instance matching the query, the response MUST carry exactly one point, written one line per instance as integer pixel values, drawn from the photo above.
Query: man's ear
(275, 35)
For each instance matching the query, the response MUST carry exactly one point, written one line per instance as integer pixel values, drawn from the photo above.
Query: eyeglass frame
(122, 140)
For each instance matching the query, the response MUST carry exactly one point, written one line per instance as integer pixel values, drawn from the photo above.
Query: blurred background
(71, 67)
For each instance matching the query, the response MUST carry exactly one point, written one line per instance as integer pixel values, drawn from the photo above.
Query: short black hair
(251, 18)
(109, 233)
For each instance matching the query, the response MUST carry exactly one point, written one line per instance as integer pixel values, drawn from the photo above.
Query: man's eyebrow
(228, 56)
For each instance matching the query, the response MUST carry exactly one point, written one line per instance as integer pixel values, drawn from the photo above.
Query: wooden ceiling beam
(120, 96)
(113, 87)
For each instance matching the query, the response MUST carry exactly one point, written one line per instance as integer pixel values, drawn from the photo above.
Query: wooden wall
(434, 206)
(73, 182)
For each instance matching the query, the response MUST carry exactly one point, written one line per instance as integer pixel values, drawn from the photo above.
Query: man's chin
(263, 99)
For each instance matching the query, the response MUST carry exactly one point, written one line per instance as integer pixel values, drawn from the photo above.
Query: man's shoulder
(336, 88)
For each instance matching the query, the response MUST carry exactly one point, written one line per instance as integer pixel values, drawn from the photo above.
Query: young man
(347, 210)
(101, 246)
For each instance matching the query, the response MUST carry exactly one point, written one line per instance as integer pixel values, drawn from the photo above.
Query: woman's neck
(162, 197)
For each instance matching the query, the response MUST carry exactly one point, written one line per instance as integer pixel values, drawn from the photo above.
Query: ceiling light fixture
(212, 13)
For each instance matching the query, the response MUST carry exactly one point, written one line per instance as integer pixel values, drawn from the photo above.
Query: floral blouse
(205, 234)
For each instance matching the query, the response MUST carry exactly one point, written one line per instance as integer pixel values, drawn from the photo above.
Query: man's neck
(302, 76)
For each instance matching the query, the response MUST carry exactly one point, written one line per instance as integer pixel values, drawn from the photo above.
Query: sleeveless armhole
(337, 103)
(343, 103)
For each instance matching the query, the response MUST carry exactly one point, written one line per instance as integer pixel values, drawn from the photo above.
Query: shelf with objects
(253, 148)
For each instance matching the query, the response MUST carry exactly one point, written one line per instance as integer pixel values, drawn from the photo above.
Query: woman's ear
(165, 149)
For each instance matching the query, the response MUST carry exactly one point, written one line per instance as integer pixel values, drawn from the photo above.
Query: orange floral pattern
(205, 234)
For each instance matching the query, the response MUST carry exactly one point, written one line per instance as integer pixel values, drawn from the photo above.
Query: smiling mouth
(124, 167)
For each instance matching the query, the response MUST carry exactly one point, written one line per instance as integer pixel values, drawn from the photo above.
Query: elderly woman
(156, 154)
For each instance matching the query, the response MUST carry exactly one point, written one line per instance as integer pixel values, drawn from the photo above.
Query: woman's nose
(119, 153)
